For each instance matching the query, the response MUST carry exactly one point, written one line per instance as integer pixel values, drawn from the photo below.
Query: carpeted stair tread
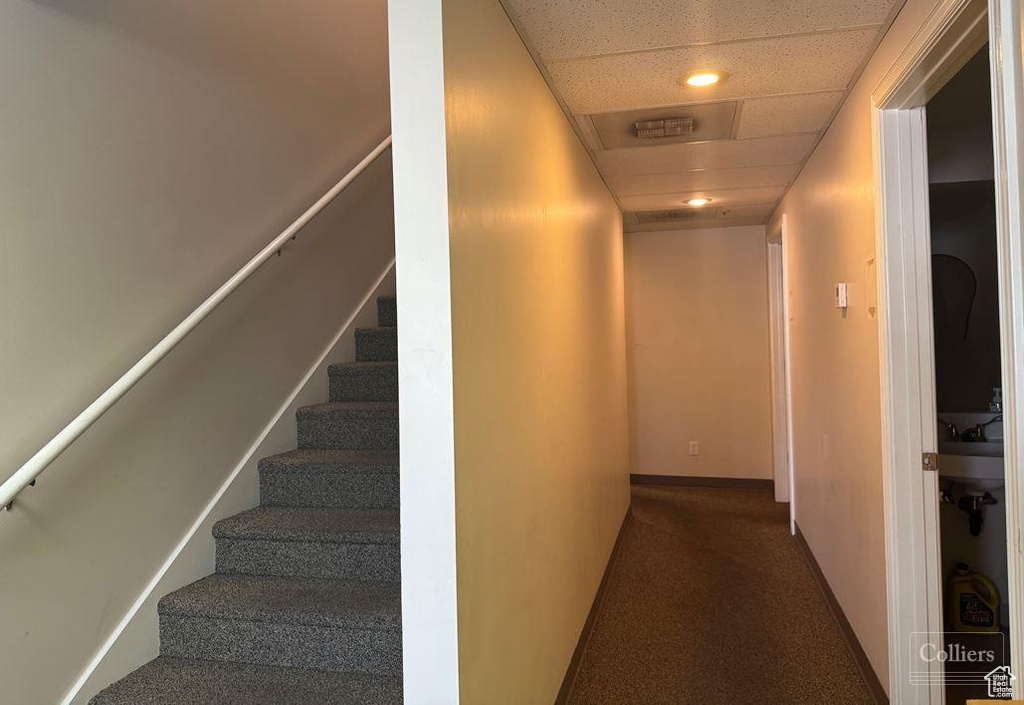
(387, 311)
(327, 460)
(365, 366)
(376, 344)
(364, 381)
(311, 524)
(330, 478)
(349, 425)
(181, 681)
(305, 601)
(329, 407)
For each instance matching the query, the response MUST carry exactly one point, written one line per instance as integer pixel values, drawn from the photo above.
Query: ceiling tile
(781, 115)
(638, 185)
(730, 197)
(675, 158)
(796, 64)
(568, 28)
(699, 223)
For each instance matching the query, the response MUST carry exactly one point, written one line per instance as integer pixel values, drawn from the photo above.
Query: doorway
(914, 492)
(968, 386)
(782, 411)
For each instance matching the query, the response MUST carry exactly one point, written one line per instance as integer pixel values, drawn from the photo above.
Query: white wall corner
(135, 640)
(429, 608)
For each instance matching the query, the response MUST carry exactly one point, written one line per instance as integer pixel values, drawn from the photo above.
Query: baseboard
(859, 655)
(588, 626)
(134, 640)
(735, 483)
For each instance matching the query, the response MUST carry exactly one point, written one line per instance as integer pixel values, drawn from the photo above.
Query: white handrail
(27, 473)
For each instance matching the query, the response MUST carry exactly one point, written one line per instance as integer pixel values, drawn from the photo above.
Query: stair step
(376, 344)
(176, 681)
(331, 625)
(387, 311)
(348, 426)
(364, 381)
(346, 544)
(330, 478)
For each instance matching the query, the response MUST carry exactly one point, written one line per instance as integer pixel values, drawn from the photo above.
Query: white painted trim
(953, 32)
(248, 460)
(787, 317)
(430, 633)
(1008, 129)
(910, 496)
(779, 379)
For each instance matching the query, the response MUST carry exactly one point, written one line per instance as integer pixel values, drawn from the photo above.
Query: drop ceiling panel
(562, 29)
(795, 64)
(757, 210)
(697, 223)
(711, 121)
(781, 115)
(706, 179)
(727, 197)
(675, 158)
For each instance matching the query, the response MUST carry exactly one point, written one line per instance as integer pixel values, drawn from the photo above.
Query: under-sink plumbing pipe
(973, 504)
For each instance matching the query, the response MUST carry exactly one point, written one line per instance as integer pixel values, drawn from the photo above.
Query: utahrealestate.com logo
(961, 658)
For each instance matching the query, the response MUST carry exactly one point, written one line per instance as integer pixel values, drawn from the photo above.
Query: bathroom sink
(971, 461)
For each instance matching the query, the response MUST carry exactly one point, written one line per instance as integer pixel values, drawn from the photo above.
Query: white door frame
(953, 32)
(777, 356)
(1008, 129)
(781, 369)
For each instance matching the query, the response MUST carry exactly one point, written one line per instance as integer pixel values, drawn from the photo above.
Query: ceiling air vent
(666, 216)
(668, 127)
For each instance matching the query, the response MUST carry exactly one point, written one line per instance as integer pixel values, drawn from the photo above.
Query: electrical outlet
(694, 448)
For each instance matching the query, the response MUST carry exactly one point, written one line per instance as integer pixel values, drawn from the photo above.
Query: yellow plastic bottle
(973, 601)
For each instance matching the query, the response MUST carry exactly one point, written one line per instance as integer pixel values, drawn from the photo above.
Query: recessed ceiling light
(702, 79)
(698, 202)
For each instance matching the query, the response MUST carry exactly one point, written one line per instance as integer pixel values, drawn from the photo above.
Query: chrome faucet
(952, 432)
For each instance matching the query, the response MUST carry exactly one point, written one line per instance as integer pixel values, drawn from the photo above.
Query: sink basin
(971, 461)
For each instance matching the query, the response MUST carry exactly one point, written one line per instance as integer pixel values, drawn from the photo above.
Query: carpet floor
(711, 601)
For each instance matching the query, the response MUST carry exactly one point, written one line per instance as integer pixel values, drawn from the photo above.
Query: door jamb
(949, 36)
(779, 354)
(1008, 129)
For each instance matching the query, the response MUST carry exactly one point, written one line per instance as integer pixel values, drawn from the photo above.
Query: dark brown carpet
(711, 601)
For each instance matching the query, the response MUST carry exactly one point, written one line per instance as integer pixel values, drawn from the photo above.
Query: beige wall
(697, 341)
(837, 451)
(149, 150)
(539, 365)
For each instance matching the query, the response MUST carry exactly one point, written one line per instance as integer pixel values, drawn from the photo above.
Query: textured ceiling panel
(787, 114)
(797, 64)
(706, 179)
(727, 197)
(713, 221)
(569, 28)
(674, 158)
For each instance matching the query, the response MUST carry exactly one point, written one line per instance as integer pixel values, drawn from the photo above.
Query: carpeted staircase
(305, 604)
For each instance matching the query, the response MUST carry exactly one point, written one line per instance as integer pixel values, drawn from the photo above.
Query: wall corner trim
(860, 657)
(588, 626)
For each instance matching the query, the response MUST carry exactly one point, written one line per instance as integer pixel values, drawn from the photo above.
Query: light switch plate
(694, 448)
(842, 300)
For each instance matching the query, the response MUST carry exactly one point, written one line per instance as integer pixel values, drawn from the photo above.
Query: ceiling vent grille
(669, 127)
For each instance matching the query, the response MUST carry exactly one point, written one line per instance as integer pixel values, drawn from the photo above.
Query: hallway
(711, 601)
